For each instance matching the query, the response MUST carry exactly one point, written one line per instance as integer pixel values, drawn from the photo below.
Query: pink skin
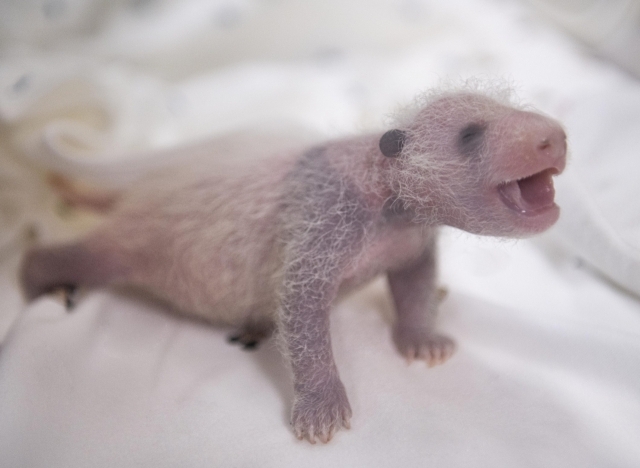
(279, 241)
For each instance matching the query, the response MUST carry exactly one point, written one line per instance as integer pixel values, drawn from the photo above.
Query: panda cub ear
(392, 142)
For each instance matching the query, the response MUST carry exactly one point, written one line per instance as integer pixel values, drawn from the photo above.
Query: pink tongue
(537, 190)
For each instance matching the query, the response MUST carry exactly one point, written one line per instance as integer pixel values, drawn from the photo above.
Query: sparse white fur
(275, 237)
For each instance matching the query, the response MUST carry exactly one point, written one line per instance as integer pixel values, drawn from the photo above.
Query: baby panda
(270, 240)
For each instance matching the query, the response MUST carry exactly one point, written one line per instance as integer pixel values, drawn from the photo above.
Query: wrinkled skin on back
(273, 239)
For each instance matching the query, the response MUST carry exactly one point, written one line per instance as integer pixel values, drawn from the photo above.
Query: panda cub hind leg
(69, 267)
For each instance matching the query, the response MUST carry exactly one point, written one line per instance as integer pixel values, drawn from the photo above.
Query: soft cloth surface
(546, 373)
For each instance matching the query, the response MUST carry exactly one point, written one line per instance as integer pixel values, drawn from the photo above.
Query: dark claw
(245, 341)
(251, 345)
(250, 335)
(70, 297)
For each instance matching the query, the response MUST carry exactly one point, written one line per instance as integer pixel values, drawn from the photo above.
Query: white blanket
(547, 370)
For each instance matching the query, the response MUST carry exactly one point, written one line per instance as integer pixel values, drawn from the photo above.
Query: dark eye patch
(471, 137)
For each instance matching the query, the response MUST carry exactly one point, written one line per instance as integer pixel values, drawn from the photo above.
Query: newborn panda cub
(269, 241)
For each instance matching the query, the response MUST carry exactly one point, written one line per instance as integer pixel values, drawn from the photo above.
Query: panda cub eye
(471, 137)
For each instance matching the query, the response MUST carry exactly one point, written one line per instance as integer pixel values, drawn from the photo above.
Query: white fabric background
(547, 368)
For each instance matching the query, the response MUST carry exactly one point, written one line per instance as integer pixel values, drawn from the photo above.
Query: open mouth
(530, 195)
